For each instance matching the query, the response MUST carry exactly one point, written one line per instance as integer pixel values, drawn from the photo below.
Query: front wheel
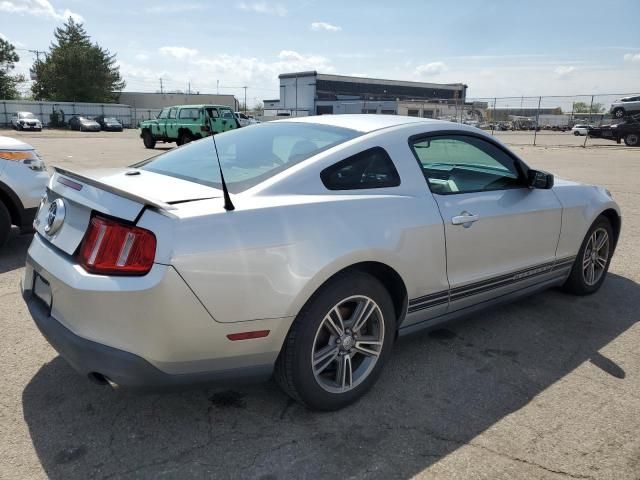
(338, 344)
(592, 263)
(5, 223)
(576, 133)
(632, 140)
(148, 140)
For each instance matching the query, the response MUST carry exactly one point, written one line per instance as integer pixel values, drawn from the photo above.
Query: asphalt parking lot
(545, 388)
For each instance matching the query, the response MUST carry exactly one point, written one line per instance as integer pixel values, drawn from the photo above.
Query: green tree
(77, 70)
(8, 82)
(583, 107)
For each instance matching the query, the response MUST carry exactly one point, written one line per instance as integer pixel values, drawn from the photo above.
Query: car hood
(8, 143)
(151, 185)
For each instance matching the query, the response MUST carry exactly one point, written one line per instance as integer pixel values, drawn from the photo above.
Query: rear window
(248, 155)
(190, 113)
(372, 168)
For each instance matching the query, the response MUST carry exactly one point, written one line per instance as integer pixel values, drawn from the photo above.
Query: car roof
(200, 105)
(362, 122)
(8, 143)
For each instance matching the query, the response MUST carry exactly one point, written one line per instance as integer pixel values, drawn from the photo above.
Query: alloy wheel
(595, 257)
(347, 344)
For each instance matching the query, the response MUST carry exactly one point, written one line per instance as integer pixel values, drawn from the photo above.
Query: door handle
(465, 219)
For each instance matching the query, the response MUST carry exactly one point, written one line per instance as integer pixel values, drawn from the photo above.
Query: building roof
(346, 78)
(361, 122)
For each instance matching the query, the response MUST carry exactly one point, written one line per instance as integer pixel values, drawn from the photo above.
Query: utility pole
(161, 90)
(245, 99)
(189, 88)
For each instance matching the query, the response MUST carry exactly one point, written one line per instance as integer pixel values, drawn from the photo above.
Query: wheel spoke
(366, 346)
(604, 238)
(344, 373)
(362, 314)
(323, 358)
(601, 261)
(334, 322)
(592, 272)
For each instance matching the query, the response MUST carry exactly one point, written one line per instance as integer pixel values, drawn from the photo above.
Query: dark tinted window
(372, 168)
(248, 155)
(460, 164)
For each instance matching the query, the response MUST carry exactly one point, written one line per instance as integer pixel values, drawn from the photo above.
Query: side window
(372, 168)
(172, 113)
(460, 164)
(163, 113)
(213, 112)
(189, 113)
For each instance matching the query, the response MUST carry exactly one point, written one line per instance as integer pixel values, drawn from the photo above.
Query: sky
(498, 48)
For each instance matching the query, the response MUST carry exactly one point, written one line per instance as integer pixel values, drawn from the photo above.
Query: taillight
(113, 248)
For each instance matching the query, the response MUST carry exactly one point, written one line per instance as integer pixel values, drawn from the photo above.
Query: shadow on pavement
(439, 391)
(14, 253)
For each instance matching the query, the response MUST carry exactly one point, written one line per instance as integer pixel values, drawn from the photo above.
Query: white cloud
(564, 70)
(38, 8)
(324, 26)
(178, 52)
(632, 57)
(176, 8)
(430, 69)
(141, 56)
(263, 7)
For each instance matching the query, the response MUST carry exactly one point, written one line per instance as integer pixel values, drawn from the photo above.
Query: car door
(171, 124)
(501, 235)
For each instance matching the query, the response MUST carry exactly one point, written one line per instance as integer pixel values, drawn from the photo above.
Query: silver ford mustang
(324, 239)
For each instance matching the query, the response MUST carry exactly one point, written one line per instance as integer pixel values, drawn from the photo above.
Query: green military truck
(184, 123)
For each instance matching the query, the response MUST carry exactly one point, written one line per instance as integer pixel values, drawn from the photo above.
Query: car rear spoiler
(150, 202)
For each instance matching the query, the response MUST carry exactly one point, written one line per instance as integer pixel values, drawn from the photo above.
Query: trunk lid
(72, 196)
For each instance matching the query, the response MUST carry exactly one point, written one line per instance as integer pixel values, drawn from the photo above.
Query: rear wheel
(632, 139)
(185, 138)
(148, 140)
(592, 263)
(338, 344)
(576, 133)
(5, 224)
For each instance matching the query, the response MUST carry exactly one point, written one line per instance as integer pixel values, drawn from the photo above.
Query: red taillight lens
(114, 248)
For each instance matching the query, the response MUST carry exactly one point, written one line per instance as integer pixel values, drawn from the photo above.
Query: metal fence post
(587, 134)
(493, 115)
(5, 112)
(535, 130)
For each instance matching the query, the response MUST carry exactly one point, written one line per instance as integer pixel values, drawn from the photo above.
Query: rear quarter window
(372, 168)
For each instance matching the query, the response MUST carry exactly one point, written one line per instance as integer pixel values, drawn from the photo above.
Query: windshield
(248, 155)
(26, 115)
(110, 119)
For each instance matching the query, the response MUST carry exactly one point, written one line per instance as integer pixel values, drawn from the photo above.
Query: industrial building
(313, 93)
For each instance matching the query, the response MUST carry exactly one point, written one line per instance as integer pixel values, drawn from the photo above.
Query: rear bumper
(124, 368)
(147, 331)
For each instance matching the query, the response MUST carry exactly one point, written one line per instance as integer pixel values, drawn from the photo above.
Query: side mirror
(540, 179)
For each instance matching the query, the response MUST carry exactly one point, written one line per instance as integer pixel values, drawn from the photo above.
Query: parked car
(23, 180)
(580, 130)
(624, 106)
(628, 131)
(245, 120)
(326, 242)
(83, 124)
(108, 124)
(184, 123)
(25, 121)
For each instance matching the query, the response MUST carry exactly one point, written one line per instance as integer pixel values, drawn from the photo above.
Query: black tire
(632, 139)
(618, 112)
(148, 140)
(576, 283)
(5, 224)
(576, 133)
(294, 370)
(185, 138)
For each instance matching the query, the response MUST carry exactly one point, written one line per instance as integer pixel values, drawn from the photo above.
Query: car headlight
(29, 158)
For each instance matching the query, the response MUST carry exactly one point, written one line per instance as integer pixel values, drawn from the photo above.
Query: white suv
(626, 105)
(23, 180)
(25, 121)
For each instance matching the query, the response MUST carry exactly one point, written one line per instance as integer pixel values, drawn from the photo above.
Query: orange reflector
(248, 335)
(16, 155)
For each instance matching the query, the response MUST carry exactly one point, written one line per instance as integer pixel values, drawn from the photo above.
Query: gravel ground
(548, 387)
